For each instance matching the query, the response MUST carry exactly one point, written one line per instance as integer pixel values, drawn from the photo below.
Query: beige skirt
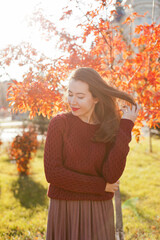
(80, 220)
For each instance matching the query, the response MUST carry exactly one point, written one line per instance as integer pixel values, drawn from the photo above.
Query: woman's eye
(78, 97)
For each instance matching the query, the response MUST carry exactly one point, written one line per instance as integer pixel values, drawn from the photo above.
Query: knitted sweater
(77, 168)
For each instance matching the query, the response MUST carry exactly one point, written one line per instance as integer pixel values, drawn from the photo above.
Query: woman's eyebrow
(77, 92)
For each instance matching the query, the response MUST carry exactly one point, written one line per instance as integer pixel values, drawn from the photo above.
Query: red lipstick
(75, 109)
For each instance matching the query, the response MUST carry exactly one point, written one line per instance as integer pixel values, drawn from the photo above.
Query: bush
(21, 150)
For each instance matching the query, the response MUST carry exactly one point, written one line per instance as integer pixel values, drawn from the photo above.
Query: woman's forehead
(78, 86)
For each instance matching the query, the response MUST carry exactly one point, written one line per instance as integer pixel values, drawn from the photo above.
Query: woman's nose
(73, 100)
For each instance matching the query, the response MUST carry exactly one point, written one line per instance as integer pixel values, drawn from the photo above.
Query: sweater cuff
(126, 124)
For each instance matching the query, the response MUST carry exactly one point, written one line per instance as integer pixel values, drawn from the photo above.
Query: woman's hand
(131, 113)
(112, 187)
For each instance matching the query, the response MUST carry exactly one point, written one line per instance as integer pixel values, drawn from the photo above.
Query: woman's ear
(96, 100)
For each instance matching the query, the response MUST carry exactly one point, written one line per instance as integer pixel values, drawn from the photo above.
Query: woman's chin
(75, 113)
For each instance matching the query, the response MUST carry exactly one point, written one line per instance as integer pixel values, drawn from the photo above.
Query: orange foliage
(21, 150)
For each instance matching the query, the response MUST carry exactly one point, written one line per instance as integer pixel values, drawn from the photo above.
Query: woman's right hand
(131, 113)
(112, 187)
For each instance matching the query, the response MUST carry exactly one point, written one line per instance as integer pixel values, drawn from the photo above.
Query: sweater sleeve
(61, 176)
(114, 165)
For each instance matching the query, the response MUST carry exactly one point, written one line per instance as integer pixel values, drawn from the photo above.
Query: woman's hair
(106, 109)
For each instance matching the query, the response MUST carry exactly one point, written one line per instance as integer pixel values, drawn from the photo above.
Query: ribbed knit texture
(77, 168)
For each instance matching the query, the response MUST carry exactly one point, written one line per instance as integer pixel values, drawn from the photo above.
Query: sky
(14, 27)
(14, 15)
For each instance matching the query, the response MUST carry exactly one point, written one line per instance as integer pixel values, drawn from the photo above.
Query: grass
(140, 188)
(24, 202)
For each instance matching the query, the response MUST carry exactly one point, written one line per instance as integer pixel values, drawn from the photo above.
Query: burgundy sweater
(77, 168)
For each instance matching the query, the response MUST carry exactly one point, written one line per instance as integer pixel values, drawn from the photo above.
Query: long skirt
(80, 220)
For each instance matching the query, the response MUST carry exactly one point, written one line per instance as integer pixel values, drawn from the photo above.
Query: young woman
(85, 155)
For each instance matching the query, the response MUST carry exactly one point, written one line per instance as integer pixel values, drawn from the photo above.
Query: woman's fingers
(116, 185)
(133, 108)
(112, 187)
(139, 107)
(131, 112)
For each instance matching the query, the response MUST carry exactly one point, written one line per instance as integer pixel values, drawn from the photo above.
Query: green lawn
(24, 202)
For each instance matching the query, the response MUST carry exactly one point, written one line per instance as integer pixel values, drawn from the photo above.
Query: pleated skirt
(80, 220)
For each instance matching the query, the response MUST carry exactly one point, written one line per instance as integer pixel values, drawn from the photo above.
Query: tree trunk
(119, 221)
(150, 140)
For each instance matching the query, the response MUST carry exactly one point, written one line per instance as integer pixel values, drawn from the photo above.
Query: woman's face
(81, 100)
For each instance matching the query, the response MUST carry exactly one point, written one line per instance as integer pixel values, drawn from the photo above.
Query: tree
(134, 72)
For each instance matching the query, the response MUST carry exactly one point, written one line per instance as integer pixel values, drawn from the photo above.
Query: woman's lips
(75, 109)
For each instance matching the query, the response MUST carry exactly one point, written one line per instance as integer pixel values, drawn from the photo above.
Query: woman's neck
(91, 119)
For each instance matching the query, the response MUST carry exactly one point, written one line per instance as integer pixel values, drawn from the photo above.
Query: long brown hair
(107, 110)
